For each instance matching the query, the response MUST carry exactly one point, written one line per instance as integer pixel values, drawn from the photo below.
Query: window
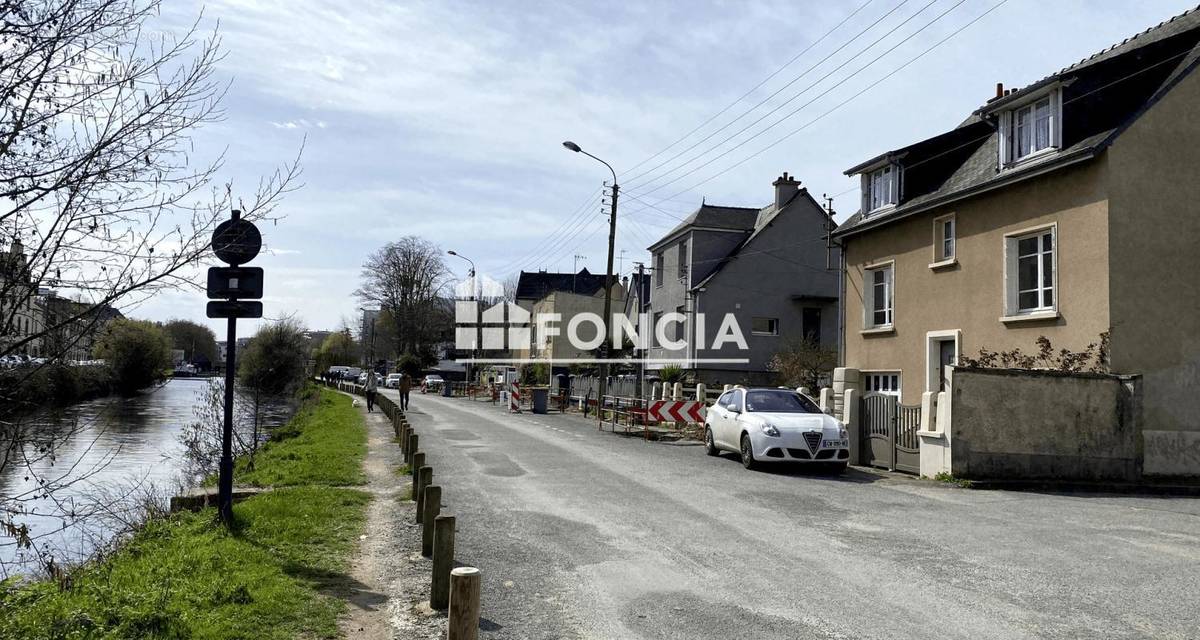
(810, 324)
(882, 190)
(658, 269)
(764, 326)
(885, 383)
(879, 296)
(1032, 271)
(943, 239)
(683, 261)
(1031, 128)
(680, 329)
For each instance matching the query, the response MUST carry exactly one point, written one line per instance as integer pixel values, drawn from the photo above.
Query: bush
(54, 384)
(274, 361)
(137, 351)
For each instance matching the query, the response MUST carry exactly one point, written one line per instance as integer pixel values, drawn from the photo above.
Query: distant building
(21, 315)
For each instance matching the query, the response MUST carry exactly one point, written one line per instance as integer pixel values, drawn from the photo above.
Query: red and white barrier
(514, 399)
(677, 411)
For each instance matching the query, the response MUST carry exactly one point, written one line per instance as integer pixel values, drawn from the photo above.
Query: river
(106, 446)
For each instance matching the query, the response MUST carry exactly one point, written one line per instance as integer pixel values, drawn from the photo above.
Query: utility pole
(641, 354)
(606, 321)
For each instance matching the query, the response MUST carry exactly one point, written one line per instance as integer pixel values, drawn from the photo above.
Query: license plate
(842, 444)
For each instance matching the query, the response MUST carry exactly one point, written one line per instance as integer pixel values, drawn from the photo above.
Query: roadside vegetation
(138, 352)
(186, 576)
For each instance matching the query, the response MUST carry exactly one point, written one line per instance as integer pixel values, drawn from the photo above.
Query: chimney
(785, 189)
(999, 89)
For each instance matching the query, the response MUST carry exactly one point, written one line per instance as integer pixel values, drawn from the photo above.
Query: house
(568, 295)
(22, 318)
(73, 326)
(1065, 209)
(771, 269)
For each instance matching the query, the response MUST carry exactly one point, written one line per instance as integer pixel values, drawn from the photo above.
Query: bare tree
(407, 279)
(802, 362)
(99, 194)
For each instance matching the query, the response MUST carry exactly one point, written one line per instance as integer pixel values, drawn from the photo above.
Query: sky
(445, 120)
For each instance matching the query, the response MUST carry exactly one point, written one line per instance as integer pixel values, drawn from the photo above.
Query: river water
(110, 446)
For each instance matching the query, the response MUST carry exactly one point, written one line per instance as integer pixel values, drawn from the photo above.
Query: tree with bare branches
(100, 195)
(407, 279)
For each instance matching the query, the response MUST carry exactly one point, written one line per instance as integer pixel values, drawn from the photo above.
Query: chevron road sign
(677, 411)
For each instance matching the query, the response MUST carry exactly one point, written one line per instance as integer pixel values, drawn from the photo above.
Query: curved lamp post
(608, 278)
(475, 333)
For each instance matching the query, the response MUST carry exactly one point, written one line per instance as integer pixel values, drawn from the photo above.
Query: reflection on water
(115, 444)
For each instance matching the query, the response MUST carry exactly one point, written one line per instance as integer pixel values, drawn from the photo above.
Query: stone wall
(1010, 424)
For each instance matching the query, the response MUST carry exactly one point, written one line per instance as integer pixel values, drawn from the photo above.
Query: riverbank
(271, 576)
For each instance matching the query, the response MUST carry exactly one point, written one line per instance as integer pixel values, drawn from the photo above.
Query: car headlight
(769, 429)
(843, 434)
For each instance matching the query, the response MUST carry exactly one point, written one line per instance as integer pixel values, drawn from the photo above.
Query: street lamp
(475, 299)
(608, 277)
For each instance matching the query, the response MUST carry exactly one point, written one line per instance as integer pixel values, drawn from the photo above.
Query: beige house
(1067, 209)
(552, 342)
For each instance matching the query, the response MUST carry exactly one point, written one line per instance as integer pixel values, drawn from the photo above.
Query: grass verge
(271, 576)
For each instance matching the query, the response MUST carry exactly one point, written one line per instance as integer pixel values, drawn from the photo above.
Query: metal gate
(889, 433)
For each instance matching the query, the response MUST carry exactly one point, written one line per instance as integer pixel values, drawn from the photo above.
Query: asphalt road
(581, 534)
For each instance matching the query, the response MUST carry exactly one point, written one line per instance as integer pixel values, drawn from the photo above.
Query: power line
(872, 85)
(752, 89)
(775, 93)
(580, 214)
(806, 104)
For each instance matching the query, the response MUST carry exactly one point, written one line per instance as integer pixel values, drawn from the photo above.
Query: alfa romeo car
(775, 425)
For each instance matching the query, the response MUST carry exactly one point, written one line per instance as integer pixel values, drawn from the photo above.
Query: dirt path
(387, 589)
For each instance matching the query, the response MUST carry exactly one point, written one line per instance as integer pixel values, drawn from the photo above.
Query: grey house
(771, 268)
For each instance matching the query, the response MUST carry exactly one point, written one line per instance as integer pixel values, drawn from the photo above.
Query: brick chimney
(786, 188)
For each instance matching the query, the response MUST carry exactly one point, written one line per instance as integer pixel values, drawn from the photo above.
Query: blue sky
(445, 120)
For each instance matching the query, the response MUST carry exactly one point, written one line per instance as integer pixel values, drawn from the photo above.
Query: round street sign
(236, 241)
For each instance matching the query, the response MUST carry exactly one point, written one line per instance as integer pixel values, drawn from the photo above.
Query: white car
(774, 425)
(393, 381)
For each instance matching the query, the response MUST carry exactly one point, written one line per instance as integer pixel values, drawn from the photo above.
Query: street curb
(1152, 489)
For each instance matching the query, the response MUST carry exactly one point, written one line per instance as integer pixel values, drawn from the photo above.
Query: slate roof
(1102, 95)
(534, 285)
(714, 217)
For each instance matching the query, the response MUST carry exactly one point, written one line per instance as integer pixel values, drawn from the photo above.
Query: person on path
(405, 387)
(372, 386)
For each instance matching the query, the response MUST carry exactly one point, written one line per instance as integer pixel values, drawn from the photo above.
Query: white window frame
(1009, 140)
(1012, 308)
(769, 320)
(940, 257)
(872, 382)
(869, 291)
(888, 176)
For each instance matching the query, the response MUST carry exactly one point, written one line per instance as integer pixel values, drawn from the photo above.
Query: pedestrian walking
(405, 387)
(372, 386)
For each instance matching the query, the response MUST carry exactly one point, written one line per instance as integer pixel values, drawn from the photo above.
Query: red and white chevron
(677, 411)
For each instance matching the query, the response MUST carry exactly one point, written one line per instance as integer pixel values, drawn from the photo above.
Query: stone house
(1065, 209)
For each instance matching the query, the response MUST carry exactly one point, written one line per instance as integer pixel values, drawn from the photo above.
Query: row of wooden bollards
(454, 590)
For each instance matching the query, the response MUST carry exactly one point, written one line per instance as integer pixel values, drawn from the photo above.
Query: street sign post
(235, 242)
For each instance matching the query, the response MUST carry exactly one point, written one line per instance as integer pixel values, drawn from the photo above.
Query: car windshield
(779, 401)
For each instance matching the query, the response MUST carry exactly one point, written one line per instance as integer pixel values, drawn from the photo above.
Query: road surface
(581, 534)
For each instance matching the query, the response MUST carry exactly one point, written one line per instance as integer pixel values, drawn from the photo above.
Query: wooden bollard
(412, 447)
(424, 478)
(443, 562)
(418, 462)
(462, 623)
(430, 507)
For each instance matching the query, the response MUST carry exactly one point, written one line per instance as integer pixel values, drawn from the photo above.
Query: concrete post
(843, 378)
(827, 400)
(701, 392)
(417, 463)
(430, 507)
(655, 390)
(726, 388)
(443, 562)
(677, 391)
(424, 478)
(462, 623)
(802, 390)
(928, 412)
(851, 417)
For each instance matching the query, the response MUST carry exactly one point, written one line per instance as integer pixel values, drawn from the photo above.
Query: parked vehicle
(775, 425)
(393, 381)
(432, 382)
(336, 371)
(351, 374)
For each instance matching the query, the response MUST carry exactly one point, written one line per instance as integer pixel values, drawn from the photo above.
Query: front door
(946, 357)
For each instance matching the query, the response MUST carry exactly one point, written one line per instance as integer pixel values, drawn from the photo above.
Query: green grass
(324, 444)
(269, 577)
(948, 478)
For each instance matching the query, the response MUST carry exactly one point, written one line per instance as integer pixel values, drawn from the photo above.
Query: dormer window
(882, 188)
(1031, 129)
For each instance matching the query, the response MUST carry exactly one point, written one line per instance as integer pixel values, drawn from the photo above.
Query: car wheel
(709, 446)
(747, 453)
